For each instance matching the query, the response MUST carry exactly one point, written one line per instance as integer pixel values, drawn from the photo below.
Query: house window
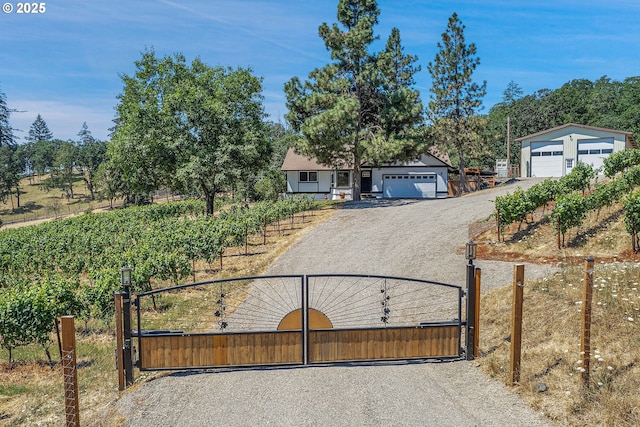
(569, 163)
(343, 178)
(308, 177)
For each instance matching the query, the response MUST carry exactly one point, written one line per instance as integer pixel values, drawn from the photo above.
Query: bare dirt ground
(420, 239)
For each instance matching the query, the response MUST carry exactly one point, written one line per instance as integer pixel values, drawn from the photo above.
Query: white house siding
(322, 187)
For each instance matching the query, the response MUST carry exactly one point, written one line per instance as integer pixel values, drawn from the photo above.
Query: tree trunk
(357, 177)
(55, 322)
(463, 177)
(210, 204)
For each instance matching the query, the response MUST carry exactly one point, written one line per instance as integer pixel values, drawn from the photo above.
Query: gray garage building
(554, 152)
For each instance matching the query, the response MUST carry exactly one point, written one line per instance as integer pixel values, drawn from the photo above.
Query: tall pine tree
(39, 131)
(6, 131)
(455, 97)
(360, 107)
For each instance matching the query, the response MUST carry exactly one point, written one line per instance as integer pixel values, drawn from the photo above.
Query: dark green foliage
(361, 107)
(620, 161)
(456, 98)
(188, 127)
(28, 311)
(570, 211)
(604, 103)
(632, 217)
(579, 179)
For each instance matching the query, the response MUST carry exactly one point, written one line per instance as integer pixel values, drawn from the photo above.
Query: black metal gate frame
(304, 283)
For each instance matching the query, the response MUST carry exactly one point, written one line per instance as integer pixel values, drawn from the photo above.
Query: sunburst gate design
(335, 301)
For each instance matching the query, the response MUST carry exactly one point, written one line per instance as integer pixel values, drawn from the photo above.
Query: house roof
(435, 151)
(629, 135)
(297, 162)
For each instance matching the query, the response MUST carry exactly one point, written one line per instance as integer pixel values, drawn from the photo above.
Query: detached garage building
(554, 152)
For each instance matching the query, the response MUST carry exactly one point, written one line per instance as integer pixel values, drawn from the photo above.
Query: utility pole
(508, 147)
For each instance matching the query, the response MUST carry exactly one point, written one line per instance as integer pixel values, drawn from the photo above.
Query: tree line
(602, 103)
(201, 130)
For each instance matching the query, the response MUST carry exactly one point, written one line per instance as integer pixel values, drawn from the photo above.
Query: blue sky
(65, 63)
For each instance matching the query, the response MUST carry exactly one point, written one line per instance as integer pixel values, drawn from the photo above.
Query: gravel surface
(420, 239)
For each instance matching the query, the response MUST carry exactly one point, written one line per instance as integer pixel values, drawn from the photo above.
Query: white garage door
(410, 186)
(594, 151)
(546, 158)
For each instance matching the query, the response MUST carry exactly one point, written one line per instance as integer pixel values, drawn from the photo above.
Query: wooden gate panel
(379, 344)
(217, 350)
(345, 318)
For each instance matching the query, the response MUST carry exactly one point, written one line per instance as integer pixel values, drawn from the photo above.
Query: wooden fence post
(516, 324)
(71, 406)
(585, 340)
(476, 335)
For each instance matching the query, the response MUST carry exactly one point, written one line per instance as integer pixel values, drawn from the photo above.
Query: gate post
(126, 312)
(117, 296)
(476, 324)
(471, 301)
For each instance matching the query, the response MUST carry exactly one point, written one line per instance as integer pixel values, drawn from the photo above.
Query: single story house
(425, 177)
(554, 152)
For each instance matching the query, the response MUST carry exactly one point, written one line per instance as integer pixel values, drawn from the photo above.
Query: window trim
(308, 176)
(338, 173)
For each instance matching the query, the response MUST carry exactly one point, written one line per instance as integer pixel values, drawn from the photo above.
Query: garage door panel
(410, 186)
(593, 152)
(546, 159)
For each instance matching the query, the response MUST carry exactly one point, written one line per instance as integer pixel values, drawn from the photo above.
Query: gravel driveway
(420, 239)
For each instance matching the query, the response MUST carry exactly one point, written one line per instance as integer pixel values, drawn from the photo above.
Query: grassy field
(37, 203)
(551, 367)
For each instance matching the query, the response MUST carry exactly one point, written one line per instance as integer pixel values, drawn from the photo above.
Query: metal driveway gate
(296, 320)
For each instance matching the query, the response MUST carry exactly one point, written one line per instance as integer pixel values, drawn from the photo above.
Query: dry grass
(31, 392)
(37, 204)
(552, 324)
